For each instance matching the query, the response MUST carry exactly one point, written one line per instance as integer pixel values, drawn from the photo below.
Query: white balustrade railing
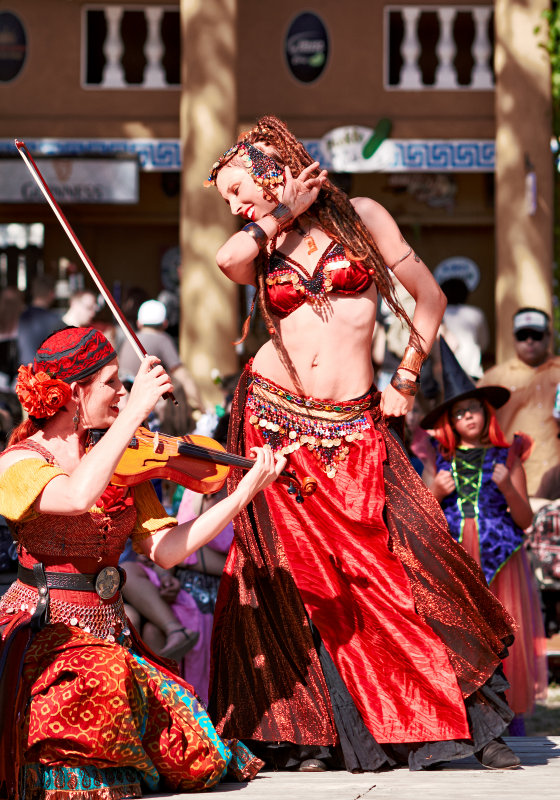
(410, 48)
(106, 47)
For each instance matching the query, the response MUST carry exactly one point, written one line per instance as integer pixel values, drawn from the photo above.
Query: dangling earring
(76, 418)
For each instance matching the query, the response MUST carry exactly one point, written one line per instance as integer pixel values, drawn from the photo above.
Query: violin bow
(126, 328)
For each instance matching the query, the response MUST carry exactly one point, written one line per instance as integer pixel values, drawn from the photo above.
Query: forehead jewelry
(263, 169)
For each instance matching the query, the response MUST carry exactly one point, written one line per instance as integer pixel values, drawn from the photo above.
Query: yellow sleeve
(21, 484)
(151, 515)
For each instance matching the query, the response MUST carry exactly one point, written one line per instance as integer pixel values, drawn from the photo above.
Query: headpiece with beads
(67, 355)
(263, 169)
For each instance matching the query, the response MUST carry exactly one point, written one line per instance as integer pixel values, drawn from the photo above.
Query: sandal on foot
(176, 647)
(497, 755)
(312, 765)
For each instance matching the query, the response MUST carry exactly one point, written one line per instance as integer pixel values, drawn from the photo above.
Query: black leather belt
(105, 583)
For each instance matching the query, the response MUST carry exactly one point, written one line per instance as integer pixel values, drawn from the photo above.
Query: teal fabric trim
(82, 779)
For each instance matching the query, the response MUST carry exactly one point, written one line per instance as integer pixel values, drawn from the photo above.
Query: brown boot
(497, 755)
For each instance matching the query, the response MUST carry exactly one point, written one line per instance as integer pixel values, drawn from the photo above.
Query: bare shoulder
(11, 457)
(374, 215)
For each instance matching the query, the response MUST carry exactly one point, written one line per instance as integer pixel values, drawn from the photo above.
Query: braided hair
(333, 211)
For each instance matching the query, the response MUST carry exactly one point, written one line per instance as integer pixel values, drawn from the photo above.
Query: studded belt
(105, 583)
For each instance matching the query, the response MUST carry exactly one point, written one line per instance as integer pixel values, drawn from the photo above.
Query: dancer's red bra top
(289, 285)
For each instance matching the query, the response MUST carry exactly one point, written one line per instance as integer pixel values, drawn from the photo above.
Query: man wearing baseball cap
(531, 376)
(151, 323)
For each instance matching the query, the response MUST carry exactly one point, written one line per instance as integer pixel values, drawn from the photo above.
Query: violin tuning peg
(292, 489)
(299, 498)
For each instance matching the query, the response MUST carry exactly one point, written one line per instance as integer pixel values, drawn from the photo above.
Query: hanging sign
(72, 180)
(13, 46)
(355, 148)
(306, 47)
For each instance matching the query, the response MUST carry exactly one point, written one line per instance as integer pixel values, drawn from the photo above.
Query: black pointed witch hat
(457, 386)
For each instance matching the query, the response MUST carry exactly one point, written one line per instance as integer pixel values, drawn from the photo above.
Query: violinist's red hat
(73, 353)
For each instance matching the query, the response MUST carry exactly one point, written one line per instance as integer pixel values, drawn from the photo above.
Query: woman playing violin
(359, 635)
(85, 707)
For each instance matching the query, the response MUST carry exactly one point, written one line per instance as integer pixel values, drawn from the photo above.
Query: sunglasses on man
(529, 333)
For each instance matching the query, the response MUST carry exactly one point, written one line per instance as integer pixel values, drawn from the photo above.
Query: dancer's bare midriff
(329, 348)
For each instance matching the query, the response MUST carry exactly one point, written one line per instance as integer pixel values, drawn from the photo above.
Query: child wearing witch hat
(480, 483)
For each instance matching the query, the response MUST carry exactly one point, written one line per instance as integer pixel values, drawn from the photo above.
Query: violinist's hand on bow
(393, 403)
(151, 382)
(266, 469)
(299, 193)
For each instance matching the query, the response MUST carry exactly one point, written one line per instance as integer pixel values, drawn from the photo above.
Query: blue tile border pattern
(394, 155)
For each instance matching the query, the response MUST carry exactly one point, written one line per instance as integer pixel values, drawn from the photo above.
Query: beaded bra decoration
(263, 169)
(288, 421)
(315, 287)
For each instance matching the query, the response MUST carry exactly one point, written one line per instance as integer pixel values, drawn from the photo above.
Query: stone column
(209, 318)
(524, 202)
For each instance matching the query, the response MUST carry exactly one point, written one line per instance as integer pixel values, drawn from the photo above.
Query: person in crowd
(350, 630)
(464, 326)
(38, 320)
(199, 577)
(531, 376)
(82, 308)
(151, 323)
(480, 483)
(544, 537)
(11, 306)
(151, 593)
(418, 441)
(86, 709)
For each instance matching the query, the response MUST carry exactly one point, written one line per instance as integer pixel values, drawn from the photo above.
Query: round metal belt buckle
(107, 582)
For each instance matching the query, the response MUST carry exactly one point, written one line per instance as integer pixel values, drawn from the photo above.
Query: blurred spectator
(37, 321)
(11, 306)
(464, 327)
(531, 376)
(10, 416)
(418, 441)
(151, 323)
(82, 308)
(549, 487)
(152, 592)
(199, 577)
(544, 537)
(390, 340)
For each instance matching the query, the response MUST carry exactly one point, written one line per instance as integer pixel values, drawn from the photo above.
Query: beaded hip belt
(102, 619)
(288, 421)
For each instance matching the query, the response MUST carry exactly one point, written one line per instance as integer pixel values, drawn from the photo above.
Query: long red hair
(448, 439)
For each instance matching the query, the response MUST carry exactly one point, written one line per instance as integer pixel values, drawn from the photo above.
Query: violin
(196, 462)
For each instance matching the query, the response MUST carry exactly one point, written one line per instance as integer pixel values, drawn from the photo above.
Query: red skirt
(393, 623)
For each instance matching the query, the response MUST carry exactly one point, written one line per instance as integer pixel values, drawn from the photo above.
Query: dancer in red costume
(86, 711)
(358, 633)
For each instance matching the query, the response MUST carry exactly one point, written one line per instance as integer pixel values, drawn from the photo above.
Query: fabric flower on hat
(41, 395)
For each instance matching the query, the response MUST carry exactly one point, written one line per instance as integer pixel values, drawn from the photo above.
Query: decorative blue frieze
(393, 155)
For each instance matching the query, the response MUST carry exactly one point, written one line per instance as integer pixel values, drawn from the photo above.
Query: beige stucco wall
(523, 241)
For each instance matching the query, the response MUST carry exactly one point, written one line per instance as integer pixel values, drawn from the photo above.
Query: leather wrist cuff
(404, 385)
(257, 233)
(412, 360)
(282, 215)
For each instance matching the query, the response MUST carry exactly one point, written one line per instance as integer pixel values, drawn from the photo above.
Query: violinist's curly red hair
(448, 439)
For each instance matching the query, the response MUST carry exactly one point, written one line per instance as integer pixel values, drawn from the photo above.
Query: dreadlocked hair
(336, 216)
